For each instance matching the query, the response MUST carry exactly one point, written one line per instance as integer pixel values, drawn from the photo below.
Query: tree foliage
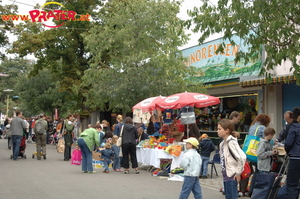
(6, 26)
(271, 23)
(17, 69)
(61, 50)
(135, 54)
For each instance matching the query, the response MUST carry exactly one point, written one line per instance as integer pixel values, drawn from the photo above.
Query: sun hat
(192, 141)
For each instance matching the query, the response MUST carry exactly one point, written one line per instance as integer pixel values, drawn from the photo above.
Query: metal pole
(7, 105)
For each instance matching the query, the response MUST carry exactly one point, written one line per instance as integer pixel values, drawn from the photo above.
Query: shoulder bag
(250, 146)
(119, 141)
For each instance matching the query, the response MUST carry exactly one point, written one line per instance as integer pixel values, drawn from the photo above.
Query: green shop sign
(220, 66)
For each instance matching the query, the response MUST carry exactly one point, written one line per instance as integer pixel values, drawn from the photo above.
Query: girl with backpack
(232, 158)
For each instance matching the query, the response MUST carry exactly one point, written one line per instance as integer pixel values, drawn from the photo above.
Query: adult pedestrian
(119, 125)
(235, 118)
(40, 129)
(292, 147)
(142, 134)
(17, 126)
(68, 128)
(7, 131)
(288, 117)
(86, 142)
(106, 126)
(129, 136)
(259, 124)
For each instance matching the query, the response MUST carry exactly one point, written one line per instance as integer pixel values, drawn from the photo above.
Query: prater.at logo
(44, 16)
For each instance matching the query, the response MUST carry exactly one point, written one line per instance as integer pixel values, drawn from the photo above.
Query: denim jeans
(231, 190)
(106, 164)
(87, 163)
(16, 140)
(116, 163)
(203, 170)
(191, 184)
(292, 180)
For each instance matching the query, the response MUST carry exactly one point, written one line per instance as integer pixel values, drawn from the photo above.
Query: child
(231, 167)
(107, 138)
(107, 155)
(206, 147)
(116, 150)
(191, 163)
(265, 151)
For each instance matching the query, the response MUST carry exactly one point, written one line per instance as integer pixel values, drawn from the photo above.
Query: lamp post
(7, 100)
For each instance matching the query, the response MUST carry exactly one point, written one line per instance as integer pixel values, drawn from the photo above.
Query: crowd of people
(103, 138)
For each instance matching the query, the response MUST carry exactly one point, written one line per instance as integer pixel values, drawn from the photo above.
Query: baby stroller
(22, 148)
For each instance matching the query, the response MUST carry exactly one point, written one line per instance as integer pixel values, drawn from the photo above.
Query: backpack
(40, 128)
(247, 169)
(69, 127)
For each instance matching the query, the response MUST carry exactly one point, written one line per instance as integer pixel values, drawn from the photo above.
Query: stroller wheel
(11, 156)
(33, 156)
(24, 156)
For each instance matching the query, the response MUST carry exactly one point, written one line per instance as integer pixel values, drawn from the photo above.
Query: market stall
(161, 147)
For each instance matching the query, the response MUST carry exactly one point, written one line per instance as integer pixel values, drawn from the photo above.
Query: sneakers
(44, 157)
(119, 170)
(204, 177)
(137, 171)
(126, 172)
(92, 172)
(84, 171)
(105, 171)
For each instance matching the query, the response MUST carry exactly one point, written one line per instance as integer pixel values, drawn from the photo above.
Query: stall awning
(264, 81)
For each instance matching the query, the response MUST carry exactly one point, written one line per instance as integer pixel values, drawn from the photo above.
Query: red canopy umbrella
(148, 104)
(180, 100)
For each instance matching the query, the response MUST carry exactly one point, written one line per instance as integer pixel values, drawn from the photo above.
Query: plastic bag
(76, 157)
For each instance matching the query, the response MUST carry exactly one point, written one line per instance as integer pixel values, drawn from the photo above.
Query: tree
(17, 69)
(61, 50)
(6, 25)
(272, 24)
(135, 54)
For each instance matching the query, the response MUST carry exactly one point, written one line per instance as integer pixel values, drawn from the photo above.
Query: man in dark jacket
(206, 147)
(288, 117)
(292, 147)
(129, 136)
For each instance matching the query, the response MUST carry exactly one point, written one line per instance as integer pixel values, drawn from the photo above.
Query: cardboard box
(97, 164)
(96, 156)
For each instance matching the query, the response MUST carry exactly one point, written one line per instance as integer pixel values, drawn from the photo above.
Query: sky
(26, 6)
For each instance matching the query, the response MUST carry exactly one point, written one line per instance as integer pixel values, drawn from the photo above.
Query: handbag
(188, 118)
(76, 157)
(119, 141)
(250, 146)
(60, 147)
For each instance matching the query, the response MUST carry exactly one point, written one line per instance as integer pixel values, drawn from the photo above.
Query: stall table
(153, 157)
